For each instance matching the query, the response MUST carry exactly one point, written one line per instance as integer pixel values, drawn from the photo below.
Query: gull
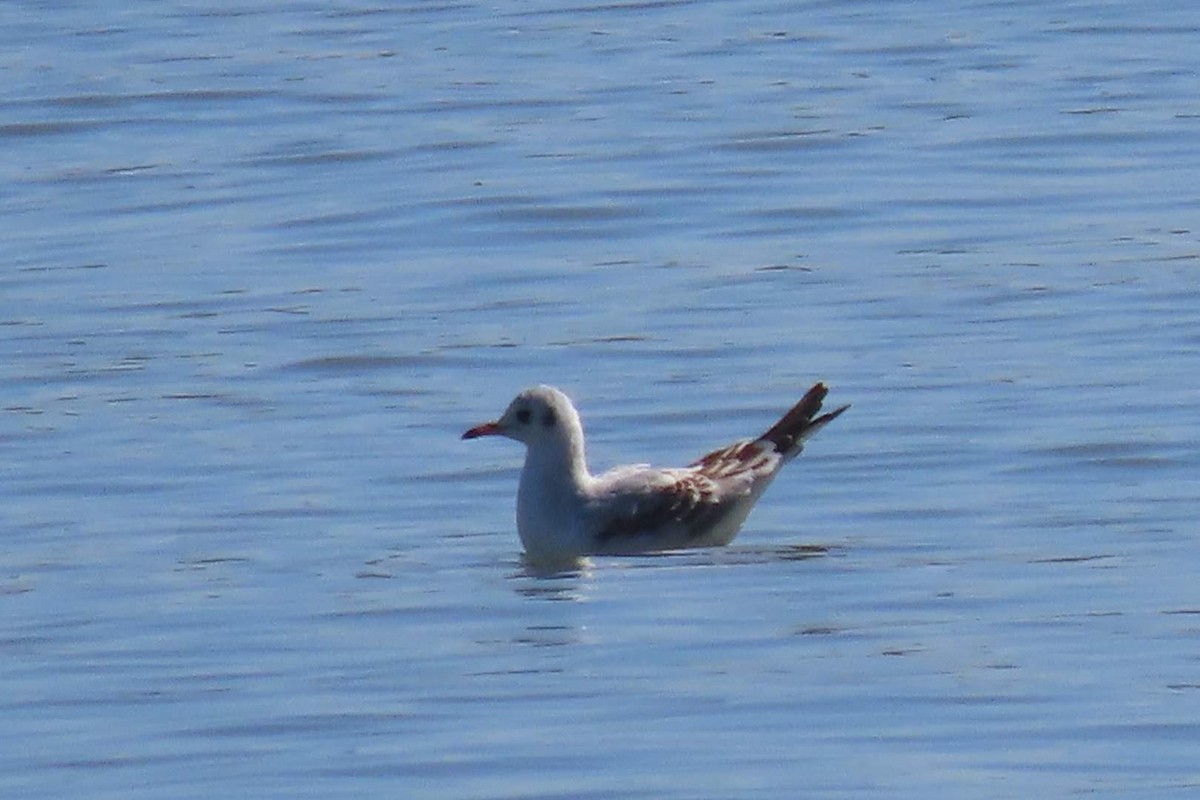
(565, 513)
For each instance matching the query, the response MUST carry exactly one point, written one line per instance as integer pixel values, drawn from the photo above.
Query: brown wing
(677, 507)
(737, 459)
(687, 503)
(687, 506)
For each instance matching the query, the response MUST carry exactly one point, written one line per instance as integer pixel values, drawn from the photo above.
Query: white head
(540, 417)
(555, 474)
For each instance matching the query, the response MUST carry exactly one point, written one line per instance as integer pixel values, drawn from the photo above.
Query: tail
(801, 422)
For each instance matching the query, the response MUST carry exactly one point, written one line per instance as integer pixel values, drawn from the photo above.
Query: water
(264, 264)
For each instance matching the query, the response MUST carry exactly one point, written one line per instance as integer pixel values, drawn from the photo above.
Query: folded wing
(678, 507)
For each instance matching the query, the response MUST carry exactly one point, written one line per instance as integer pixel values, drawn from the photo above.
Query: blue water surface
(264, 264)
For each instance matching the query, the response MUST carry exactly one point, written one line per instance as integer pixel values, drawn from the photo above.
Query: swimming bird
(564, 512)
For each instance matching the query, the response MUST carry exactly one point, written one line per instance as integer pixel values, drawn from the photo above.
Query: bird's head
(538, 417)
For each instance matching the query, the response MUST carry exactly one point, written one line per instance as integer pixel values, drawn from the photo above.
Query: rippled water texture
(264, 263)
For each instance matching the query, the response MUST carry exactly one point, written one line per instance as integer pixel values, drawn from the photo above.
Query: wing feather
(656, 501)
(634, 509)
(740, 459)
(684, 503)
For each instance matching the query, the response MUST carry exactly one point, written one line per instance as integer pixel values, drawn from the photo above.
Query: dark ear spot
(548, 419)
(523, 416)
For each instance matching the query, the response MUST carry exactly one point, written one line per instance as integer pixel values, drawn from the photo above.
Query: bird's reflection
(568, 579)
(543, 580)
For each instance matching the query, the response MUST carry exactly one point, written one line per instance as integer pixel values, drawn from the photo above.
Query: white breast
(548, 511)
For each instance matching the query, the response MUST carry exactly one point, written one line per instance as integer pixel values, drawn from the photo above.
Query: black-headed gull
(564, 512)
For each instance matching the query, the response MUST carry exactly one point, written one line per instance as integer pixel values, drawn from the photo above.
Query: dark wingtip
(830, 417)
(802, 420)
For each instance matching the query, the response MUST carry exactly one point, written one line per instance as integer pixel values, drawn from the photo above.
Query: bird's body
(565, 512)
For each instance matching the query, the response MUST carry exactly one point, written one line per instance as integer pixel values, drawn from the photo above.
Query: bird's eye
(523, 416)
(548, 419)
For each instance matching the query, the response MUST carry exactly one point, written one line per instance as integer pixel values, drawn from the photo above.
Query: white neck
(554, 483)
